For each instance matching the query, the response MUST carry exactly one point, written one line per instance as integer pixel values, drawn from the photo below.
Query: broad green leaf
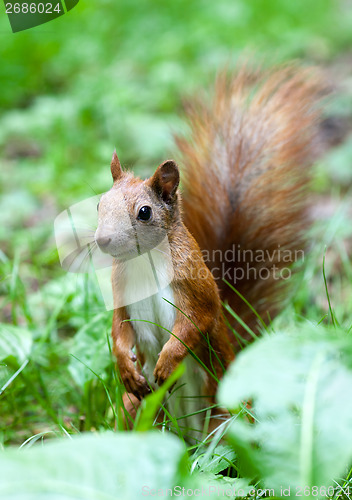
(209, 485)
(15, 342)
(92, 467)
(90, 347)
(220, 459)
(299, 389)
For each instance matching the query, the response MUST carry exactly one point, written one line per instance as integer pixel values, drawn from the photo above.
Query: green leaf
(209, 485)
(15, 342)
(299, 387)
(92, 467)
(222, 458)
(90, 347)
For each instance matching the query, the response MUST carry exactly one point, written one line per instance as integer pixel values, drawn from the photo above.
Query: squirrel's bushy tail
(245, 173)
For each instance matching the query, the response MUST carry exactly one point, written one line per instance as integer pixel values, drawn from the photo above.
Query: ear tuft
(115, 166)
(165, 180)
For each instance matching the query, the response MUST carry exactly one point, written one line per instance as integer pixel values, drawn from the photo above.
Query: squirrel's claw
(137, 385)
(162, 372)
(172, 388)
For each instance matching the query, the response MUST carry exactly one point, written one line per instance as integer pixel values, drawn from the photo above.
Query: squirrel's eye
(145, 213)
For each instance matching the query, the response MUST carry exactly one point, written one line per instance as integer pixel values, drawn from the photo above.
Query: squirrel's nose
(103, 241)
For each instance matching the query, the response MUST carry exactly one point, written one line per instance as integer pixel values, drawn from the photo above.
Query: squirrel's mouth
(127, 254)
(107, 246)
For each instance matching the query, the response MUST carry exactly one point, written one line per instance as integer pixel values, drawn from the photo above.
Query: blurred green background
(113, 74)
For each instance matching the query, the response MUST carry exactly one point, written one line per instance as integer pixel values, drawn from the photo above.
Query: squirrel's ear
(165, 180)
(115, 166)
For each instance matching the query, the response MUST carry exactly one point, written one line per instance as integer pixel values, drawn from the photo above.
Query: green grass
(114, 75)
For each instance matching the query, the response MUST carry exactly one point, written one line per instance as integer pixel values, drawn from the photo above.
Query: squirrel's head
(136, 215)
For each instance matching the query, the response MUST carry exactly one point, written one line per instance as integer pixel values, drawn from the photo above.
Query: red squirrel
(245, 169)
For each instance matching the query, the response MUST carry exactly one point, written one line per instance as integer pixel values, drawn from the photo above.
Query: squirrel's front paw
(134, 382)
(164, 367)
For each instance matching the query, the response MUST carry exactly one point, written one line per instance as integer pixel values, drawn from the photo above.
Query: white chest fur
(153, 314)
(154, 319)
(149, 300)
